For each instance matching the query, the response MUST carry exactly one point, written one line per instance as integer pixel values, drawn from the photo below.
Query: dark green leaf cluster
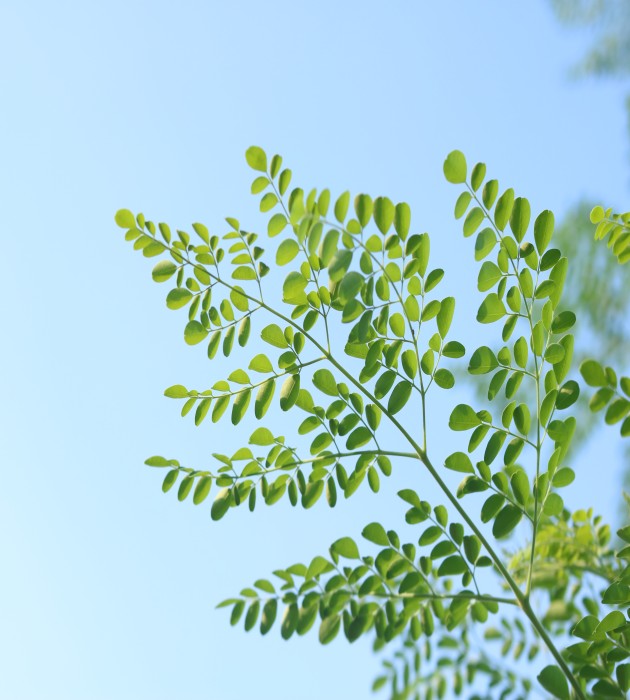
(359, 337)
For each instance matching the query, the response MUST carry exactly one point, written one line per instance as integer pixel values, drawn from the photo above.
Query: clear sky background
(108, 587)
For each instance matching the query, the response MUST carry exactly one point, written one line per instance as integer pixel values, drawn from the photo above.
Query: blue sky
(108, 586)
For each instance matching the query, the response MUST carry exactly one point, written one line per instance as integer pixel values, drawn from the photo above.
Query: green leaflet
(269, 613)
(261, 363)
(463, 417)
(349, 287)
(554, 681)
(345, 547)
(489, 275)
(409, 361)
(324, 380)
(463, 201)
(341, 207)
(363, 206)
(519, 220)
(455, 167)
(554, 353)
(202, 489)
(543, 230)
(477, 176)
(221, 504)
(492, 309)
(329, 629)
(384, 212)
(177, 391)
(276, 225)
(490, 192)
(239, 406)
(459, 462)
(485, 242)
(169, 480)
(339, 264)
(593, 373)
(375, 532)
(177, 298)
(261, 436)
(402, 219)
(194, 333)
(293, 288)
(563, 322)
(453, 349)
(125, 219)
(444, 378)
(256, 158)
(503, 209)
(287, 250)
(521, 352)
(445, 315)
(163, 271)
(452, 565)
(312, 493)
(252, 615)
(483, 360)
(289, 392)
(273, 335)
(399, 397)
(473, 220)
(397, 325)
(358, 437)
(157, 462)
(268, 202)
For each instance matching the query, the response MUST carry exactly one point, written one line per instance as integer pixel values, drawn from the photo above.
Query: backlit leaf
(256, 158)
(345, 547)
(384, 212)
(463, 417)
(459, 462)
(324, 380)
(455, 167)
(492, 309)
(483, 360)
(177, 298)
(164, 270)
(194, 333)
(543, 230)
(287, 250)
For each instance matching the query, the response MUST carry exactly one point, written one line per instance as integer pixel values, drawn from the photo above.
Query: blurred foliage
(609, 20)
(594, 282)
